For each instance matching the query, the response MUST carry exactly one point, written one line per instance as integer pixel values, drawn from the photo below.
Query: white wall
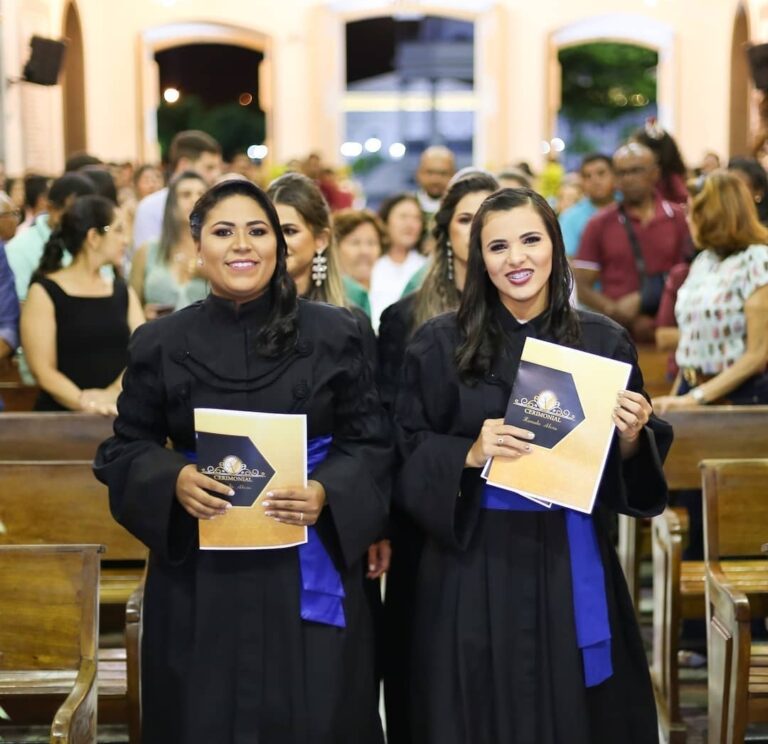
(515, 61)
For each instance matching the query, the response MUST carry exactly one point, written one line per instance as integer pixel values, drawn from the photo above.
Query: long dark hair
(664, 147)
(438, 293)
(481, 334)
(280, 331)
(302, 193)
(85, 213)
(170, 233)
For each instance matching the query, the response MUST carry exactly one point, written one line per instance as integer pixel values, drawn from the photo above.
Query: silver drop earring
(449, 259)
(199, 261)
(319, 269)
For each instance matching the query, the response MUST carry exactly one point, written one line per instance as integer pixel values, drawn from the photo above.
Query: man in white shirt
(192, 150)
(436, 168)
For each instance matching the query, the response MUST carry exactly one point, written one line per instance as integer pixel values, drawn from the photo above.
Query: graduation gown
(395, 329)
(226, 657)
(494, 655)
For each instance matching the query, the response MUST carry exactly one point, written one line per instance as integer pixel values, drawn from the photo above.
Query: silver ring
(301, 516)
(501, 440)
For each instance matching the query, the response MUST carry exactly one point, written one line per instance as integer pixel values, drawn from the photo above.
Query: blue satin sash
(322, 591)
(590, 606)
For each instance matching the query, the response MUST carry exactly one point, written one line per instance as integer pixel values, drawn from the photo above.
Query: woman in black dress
(77, 318)
(226, 655)
(439, 293)
(312, 261)
(495, 655)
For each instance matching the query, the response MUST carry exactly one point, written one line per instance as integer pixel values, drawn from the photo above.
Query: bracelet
(698, 395)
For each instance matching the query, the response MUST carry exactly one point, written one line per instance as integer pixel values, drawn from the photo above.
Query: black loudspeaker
(46, 56)
(757, 54)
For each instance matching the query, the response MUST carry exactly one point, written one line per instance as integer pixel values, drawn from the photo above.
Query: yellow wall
(303, 39)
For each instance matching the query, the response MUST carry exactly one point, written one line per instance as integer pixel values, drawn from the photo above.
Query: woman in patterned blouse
(722, 308)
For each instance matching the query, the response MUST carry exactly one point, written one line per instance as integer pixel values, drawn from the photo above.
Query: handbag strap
(633, 241)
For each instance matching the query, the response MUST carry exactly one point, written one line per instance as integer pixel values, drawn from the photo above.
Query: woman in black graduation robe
(226, 657)
(440, 292)
(495, 655)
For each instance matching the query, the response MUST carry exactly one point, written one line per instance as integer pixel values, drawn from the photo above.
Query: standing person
(630, 246)
(756, 180)
(599, 187)
(75, 323)
(227, 657)
(440, 293)
(672, 171)
(312, 261)
(164, 272)
(722, 318)
(9, 303)
(190, 150)
(360, 236)
(722, 307)
(35, 197)
(496, 654)
(402, 258)
(437, 165)
(26, 249)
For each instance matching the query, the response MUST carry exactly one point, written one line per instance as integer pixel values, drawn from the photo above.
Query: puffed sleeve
(357, 472)
(135, 464)
(636, 486)
(434, 487)
(756, 269)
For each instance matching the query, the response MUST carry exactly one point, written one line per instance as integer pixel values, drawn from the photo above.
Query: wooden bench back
(735, 507)
(52, 436)
(713, 432)
(49, 607)
(60, 502)
(654, 365)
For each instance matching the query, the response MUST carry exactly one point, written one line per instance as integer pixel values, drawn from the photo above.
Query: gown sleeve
(637, 486)
(434, 487)
(135, 464)
(393, 333)
(356, 474)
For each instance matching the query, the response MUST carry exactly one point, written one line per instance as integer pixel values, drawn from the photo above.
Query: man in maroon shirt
(606, 253)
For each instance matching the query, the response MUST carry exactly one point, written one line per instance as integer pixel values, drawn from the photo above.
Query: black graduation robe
(395, 329)
(495, 657)
(226, 657)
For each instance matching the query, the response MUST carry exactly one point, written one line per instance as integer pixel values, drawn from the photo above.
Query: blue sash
(321, 589)
(590, 607)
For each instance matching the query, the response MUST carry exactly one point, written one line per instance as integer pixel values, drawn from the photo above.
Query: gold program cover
(251, 453)
(566, 398)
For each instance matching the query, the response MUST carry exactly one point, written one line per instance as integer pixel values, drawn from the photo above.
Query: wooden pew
(678, 586)
(736, 525)
(654, 365)
(17, 396)
(45, 502)
(48, 634)
(52, 436)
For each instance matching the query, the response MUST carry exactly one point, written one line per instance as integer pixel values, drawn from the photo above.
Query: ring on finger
(301, 516)
(501, 440)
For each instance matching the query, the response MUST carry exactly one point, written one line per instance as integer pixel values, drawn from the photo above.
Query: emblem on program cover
(236, 461)
(546, 402)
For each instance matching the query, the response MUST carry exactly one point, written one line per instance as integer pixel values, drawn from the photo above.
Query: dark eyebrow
(232, 224)
(531, 233)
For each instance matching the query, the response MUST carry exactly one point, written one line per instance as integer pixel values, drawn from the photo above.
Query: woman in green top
(360, 236)
(164, 272)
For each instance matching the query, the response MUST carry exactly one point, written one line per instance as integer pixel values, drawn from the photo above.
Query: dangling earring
(449, 259)
(199, 261)
(319, 269)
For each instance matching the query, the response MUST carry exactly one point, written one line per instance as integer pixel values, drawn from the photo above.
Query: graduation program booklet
(566, 398)
(251, 453)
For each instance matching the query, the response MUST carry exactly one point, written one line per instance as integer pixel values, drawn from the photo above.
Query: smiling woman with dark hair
(500, 652)
(227, 655)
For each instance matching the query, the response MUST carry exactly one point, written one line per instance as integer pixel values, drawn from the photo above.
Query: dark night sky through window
(215, 73)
